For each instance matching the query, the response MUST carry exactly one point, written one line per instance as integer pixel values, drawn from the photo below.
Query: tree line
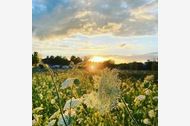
(59, 60)
(54, 60)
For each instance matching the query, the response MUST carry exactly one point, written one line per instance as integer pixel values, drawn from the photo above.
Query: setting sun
(97, 59)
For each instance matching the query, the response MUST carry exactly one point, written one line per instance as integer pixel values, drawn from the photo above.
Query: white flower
(61, 122)
(79, 120)
(72, 103)
(147, 121)
(140, 98)
(34, 122)
(149, 78)
(41, 96)
(91, 100)
(52, 101)
(151, 113)
(52, 123)
(121, 104)
(70, 112)
(148, 91)
(67, 117)
(68, 83)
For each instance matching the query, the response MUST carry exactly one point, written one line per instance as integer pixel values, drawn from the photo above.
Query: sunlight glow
(97, 59)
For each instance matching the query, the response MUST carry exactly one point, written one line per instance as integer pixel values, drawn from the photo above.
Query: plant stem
(56, 89)
(128, 110)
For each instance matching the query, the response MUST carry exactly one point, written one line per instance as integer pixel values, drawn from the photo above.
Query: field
(104, 98)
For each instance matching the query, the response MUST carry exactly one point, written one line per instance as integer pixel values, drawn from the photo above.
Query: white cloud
(90, 17)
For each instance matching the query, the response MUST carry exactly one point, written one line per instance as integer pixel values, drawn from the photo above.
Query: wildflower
(52, 123)
(148, 91)
(149, 78)
(41, 96)
(151, 113)
(91, 99)
(72, 103)
(34, 122)
(69, 82)
(139, 99)
(147, 121)
(121, 105)
(52, 101)
(70, 112)
(79, 120)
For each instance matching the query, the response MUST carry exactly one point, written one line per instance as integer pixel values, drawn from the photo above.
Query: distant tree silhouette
(35, 58)
(58, 60)
(75, 60)
(109, 64)
(151, 65)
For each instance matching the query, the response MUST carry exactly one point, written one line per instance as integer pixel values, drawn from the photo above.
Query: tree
(35, 58)
(75, 60)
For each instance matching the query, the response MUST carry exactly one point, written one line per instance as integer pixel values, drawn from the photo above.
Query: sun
(97, 59)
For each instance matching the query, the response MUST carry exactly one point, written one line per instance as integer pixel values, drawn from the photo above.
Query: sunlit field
(79, 97)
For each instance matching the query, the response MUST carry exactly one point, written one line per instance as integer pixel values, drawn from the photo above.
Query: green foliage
(140, 95)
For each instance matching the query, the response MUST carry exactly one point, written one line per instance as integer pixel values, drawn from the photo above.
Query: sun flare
(97, 59)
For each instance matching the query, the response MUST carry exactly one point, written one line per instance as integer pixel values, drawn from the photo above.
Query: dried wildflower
(108, 90)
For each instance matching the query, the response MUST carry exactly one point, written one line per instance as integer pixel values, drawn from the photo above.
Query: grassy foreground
(106, 98)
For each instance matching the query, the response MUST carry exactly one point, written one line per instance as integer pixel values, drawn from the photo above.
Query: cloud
(60, 19)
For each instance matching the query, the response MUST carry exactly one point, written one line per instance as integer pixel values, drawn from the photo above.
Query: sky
(123, 30)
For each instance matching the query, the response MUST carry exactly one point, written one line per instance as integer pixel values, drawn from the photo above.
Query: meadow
(77, 97)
